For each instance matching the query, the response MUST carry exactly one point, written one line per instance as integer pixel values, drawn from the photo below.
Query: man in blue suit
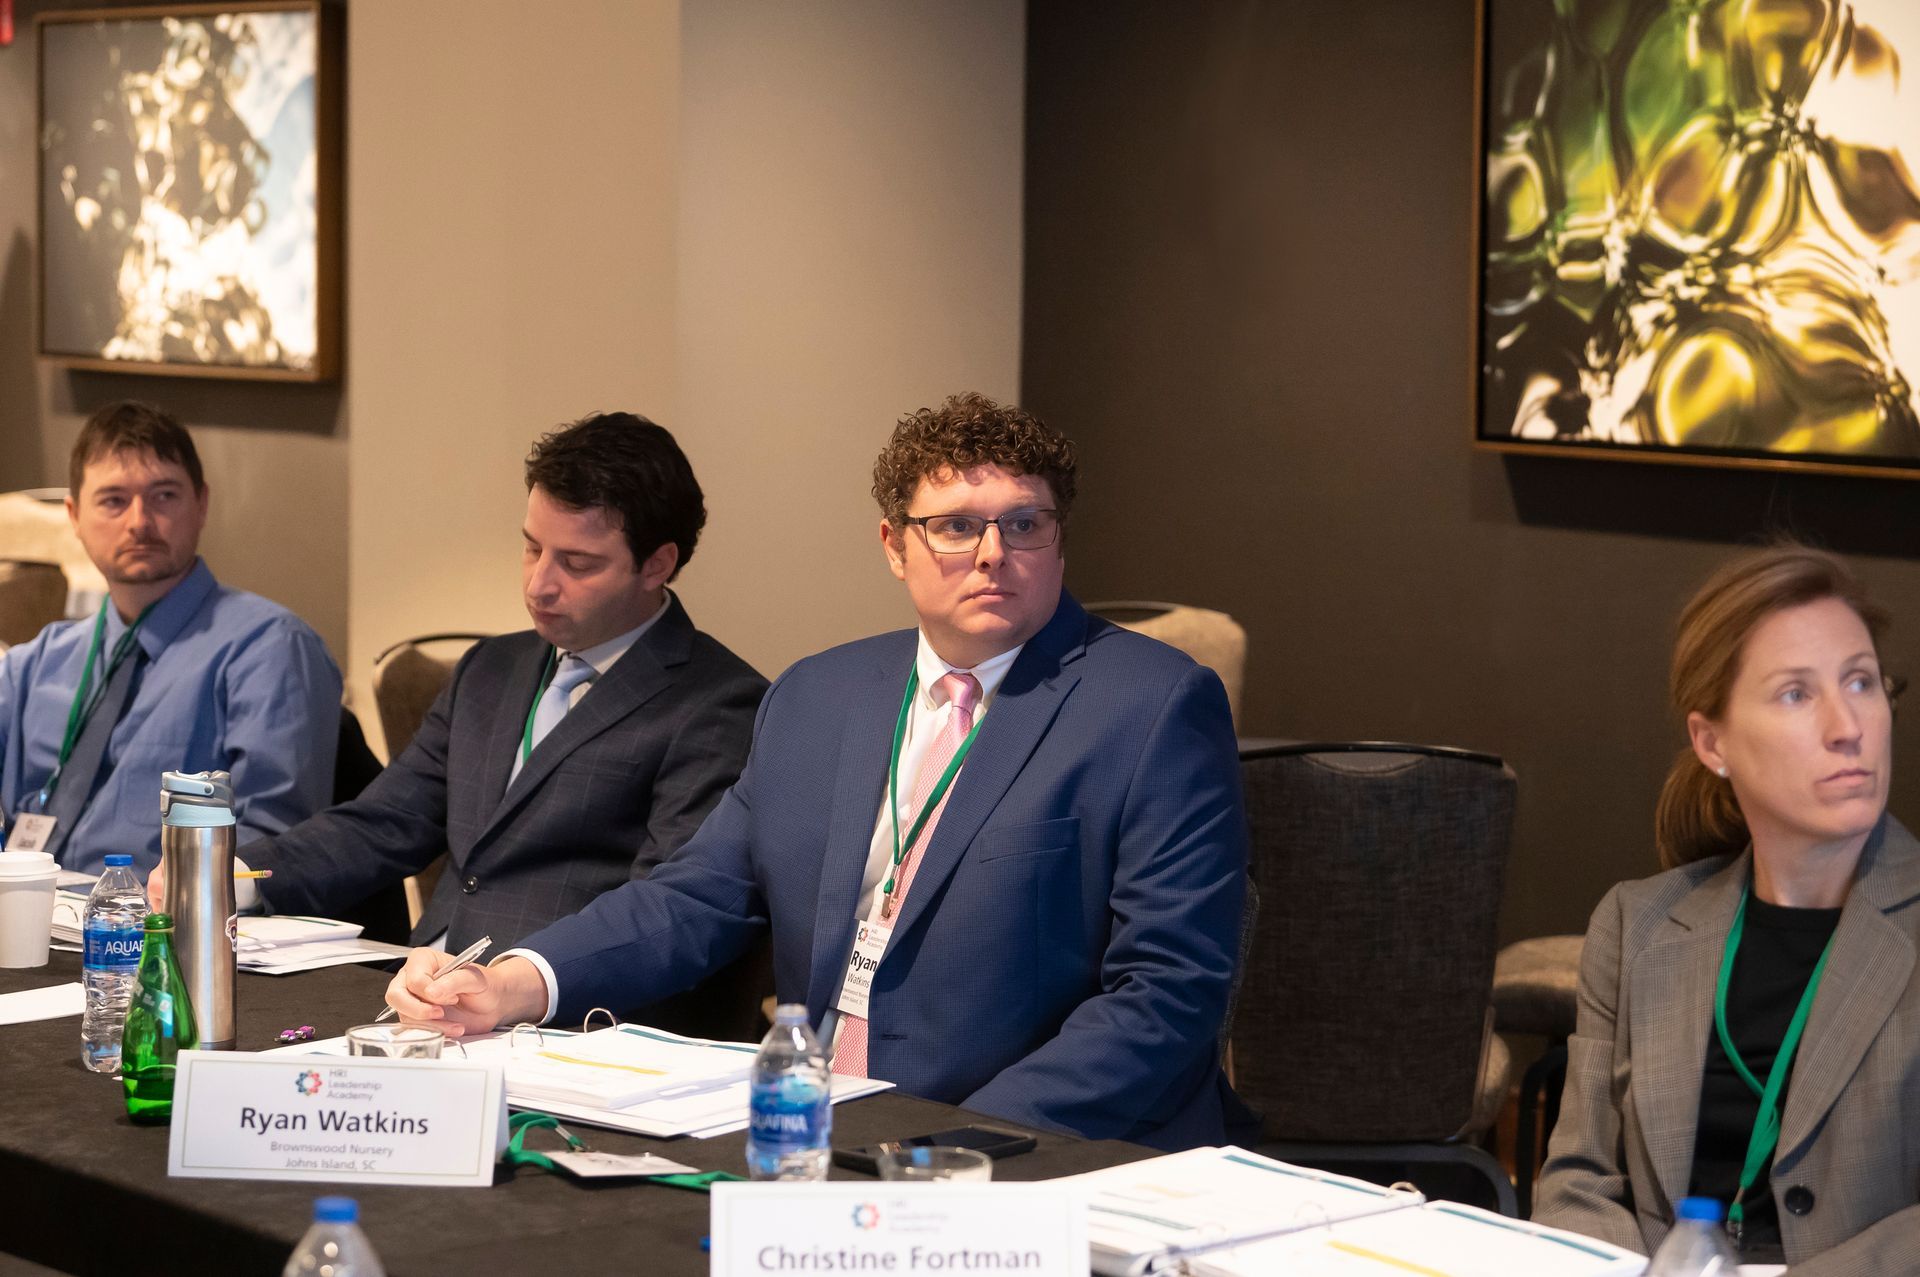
(1002, 856)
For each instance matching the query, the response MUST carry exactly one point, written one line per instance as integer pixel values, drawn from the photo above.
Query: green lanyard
(518, 1154)
(526, 733)
(1766, 1127)
(86, 697)
(901, 848)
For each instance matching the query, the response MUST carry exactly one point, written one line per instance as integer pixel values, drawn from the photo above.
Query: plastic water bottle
(790, 1116)
(1698, 1245)
(112, 928)
(334, 1246)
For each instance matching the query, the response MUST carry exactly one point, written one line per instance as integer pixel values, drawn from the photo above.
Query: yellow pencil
(253, 873)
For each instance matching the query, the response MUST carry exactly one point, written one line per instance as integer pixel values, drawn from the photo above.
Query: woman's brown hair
(1697, 816)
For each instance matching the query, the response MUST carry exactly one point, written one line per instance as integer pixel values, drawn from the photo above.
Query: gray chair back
(407, 679)
(1212, 638)
(1363, 1011)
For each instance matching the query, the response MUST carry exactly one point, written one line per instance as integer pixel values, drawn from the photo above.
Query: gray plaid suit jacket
(1622, 1153)
(625, 778)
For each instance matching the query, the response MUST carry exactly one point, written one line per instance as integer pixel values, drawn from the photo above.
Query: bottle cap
(118, 858)
(335, 1210)
(790, 1013)
(1703, 1208)
(159, 922)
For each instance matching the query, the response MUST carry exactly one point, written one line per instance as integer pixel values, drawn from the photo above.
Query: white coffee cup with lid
(27, 880)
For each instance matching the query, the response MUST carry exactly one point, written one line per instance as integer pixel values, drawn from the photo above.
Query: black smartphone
(993, 1142)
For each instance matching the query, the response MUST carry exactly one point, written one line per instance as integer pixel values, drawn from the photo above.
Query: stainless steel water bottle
(196, 848)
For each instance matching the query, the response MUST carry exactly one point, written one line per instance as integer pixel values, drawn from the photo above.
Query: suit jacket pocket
(998, 842)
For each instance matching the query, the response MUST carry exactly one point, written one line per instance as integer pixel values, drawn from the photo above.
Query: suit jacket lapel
(1021, 713)
(1865, 978)
(1672, 988)
(510, 716)
(866, 740)
(638, 676)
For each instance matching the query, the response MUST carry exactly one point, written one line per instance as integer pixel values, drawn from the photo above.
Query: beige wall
(773, 227)
(850, 223)
(511, 262)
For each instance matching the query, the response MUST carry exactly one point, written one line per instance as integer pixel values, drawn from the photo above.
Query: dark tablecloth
(84, 1191)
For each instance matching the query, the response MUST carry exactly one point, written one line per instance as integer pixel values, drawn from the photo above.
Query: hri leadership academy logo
(308, 1083)
(866, 1217)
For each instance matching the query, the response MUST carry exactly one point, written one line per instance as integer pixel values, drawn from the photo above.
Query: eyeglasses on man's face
(962, 533)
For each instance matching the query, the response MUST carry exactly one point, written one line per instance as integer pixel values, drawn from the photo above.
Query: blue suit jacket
(1065, 955)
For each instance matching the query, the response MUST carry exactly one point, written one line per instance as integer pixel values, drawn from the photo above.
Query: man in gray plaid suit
(558, 762)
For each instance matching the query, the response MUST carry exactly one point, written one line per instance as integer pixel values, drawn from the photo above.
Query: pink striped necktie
(963, 692)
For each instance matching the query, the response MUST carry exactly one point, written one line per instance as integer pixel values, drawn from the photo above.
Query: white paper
(287, 959)
(1440, 1239)
(715, 1111)
(69, 915)
(1332, 1226)
(620, 1067)
(1210, 1194)
(270, 931)
(50, 1003)
(71, 879)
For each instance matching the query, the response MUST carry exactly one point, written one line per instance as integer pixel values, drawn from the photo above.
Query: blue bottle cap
(335, 1210)
(1705, 1208)
(118, 858)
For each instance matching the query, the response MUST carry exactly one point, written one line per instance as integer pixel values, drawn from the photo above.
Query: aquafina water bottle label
(790, 1114)
(110, 948)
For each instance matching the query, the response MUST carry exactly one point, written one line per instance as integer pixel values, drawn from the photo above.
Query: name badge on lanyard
(869, 946)
(30, 832)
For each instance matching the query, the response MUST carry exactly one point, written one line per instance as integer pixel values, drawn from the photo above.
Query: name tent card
(334, 1120)
(881, 1227)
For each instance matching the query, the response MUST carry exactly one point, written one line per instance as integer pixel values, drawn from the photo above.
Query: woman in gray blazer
(1749, 1020)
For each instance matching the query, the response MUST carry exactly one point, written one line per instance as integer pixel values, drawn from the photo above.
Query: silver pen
(467, 955)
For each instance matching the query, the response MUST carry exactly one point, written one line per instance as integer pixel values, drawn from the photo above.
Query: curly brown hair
(971, 430)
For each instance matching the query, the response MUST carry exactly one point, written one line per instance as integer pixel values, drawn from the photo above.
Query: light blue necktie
(554, 703)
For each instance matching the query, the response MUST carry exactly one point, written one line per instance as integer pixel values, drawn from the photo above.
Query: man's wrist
(526, 987)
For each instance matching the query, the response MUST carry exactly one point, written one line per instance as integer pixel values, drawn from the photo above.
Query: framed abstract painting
(189, 190)
(1699, 232)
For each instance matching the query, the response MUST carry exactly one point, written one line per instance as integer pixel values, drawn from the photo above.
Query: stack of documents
(280, 944)
(276, 944)
(70, 892)
(628, 1078)
(1225, 1212)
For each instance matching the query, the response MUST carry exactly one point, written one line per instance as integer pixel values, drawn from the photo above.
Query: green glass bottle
(159, 1027)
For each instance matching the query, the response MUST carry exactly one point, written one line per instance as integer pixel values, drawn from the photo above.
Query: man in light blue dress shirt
(176, 672)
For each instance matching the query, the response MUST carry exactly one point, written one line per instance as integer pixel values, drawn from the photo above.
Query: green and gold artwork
(1701, 227)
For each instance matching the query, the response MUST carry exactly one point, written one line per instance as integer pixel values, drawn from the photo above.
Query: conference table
(83, 1190)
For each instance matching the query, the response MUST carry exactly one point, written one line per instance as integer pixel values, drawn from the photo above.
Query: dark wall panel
(1248, 296)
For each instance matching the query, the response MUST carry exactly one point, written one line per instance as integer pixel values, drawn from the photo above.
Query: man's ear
(893, 543)
(660, 566)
